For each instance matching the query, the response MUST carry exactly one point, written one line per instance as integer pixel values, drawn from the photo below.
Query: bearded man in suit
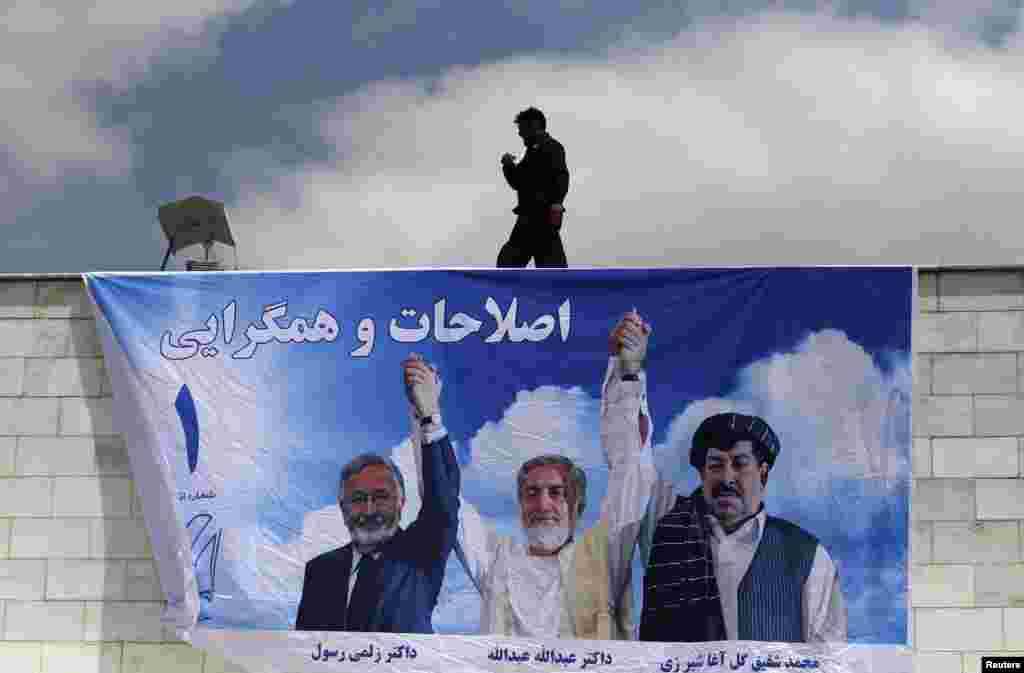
(387, 578)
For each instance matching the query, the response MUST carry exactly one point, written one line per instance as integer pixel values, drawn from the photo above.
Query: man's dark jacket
(541, 179)
(413, 561)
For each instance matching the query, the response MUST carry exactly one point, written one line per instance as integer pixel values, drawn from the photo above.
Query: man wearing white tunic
(563, 582)
(718, 567)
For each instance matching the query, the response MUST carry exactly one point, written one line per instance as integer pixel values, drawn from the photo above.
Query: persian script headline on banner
(324, 327)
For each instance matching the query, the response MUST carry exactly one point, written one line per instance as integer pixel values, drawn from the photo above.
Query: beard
(548, 538)
(370, 530)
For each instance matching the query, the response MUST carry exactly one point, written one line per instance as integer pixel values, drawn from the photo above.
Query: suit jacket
(413, 566)
(540, 179)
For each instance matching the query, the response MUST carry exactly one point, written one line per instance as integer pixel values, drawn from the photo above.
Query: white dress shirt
(353, 574)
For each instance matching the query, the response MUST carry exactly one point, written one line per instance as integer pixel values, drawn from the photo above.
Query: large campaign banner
(667, 470)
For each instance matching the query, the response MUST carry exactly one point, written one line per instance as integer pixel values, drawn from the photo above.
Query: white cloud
(545, 420)
(836, 413)
(53, 54)
(780, 139)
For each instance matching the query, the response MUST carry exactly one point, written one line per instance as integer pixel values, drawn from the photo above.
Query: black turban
(722, 431)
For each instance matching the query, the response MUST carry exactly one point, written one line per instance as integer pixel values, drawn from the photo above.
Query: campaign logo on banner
(664, 470)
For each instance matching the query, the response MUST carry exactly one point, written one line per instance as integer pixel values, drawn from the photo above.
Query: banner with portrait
(669, 470)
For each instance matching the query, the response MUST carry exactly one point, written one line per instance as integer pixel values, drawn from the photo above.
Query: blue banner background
(725, 335)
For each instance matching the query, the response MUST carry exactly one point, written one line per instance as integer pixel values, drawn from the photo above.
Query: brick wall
(79, 591)
(967, 582)
(78, 587)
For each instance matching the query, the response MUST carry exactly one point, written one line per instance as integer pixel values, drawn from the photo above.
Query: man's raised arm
(437, 469)
(626, 441)
(510, 169)
(474, 541)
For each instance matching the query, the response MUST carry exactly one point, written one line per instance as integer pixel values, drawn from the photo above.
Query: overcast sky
(356, 134)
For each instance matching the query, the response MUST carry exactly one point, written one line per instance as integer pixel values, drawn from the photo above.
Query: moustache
(724, 489)
(371, 521)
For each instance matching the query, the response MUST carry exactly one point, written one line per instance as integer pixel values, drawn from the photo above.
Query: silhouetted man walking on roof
(541, 181)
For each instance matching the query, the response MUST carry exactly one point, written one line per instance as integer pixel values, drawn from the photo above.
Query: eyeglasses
(360, 498)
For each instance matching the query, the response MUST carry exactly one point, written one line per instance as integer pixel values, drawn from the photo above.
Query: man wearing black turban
(717, 566)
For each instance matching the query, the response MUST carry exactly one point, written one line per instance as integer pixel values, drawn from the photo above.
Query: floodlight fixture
(195, 220)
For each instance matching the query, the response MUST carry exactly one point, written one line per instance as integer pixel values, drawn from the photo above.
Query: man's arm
(473, 539)
(824, 610)
(626, 439)
(558, 171)
(439, 480)
(511, 172)
(627, 449)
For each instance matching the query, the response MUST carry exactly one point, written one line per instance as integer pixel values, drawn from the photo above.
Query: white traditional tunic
(583, 591)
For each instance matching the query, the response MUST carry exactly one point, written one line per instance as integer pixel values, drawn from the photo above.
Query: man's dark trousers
(534, 238)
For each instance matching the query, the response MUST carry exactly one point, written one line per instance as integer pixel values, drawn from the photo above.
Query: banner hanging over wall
(495, 470)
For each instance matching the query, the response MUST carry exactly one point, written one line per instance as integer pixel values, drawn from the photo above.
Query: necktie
(363, 601)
